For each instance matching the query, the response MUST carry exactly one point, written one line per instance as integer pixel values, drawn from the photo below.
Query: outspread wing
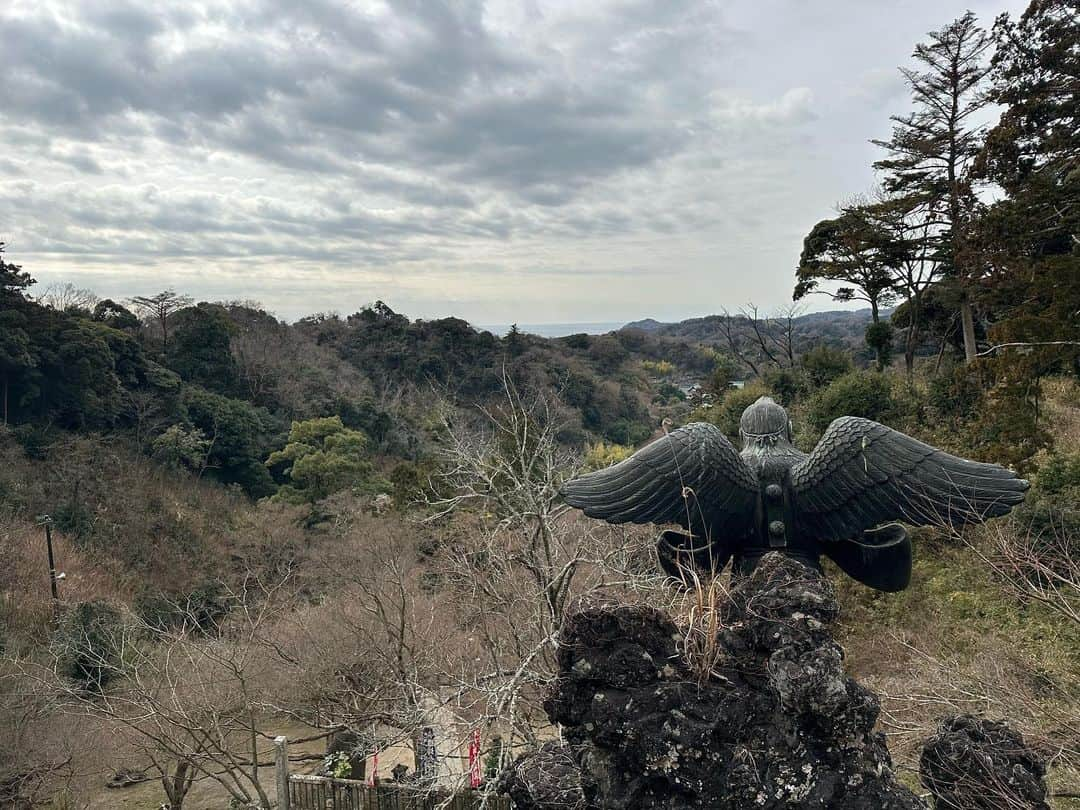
(691, 476)
(863, 474)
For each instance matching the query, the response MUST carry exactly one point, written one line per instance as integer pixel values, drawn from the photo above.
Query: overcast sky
(532, 161)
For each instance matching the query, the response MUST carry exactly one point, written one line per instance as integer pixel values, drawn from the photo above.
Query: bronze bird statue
(841, 500)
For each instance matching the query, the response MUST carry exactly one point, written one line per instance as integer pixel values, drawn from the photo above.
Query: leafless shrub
(516, 559)
(188, 698)
(1042, 567)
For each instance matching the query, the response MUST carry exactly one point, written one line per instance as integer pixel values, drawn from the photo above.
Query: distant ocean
(551, 330)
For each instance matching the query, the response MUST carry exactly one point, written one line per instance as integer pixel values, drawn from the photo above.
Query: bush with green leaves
(88, 644)
(822, 364)
(237, 432)
(879, 337)
(1051, 507)
(857, 393)
(321, 457)
(785, 384)
(182, 447)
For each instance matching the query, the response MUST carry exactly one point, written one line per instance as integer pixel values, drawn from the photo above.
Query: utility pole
(48, 521)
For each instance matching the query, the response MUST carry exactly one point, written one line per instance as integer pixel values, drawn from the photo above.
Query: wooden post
(47, 522)
(281, 770)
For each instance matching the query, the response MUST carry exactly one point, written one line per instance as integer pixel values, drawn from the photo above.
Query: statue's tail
(881, 558)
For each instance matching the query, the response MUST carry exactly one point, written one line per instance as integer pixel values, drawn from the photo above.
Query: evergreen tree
(1031, 238)
(13, 281)
(933, 148)
(201, 348)
(855, 252)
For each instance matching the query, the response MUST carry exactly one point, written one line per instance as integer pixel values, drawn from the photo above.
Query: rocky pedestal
(778, 724)
(774, 723)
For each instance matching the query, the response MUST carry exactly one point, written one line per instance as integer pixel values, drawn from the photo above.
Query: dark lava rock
(545, 779)
(777, 725)
(975, 764)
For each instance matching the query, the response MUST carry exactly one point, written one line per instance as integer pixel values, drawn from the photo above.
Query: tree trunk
(967, 319)
(912, 339)
(5, 399)
(177, 784)
(875, 318)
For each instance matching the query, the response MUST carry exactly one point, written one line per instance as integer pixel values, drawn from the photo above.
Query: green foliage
(322, 457)
(15, 354)
(182, 447)
(88, 644)
(1059, 474)
(409, 482)
(823, 364)
(35, 439)
(364, 415)
(236, 433)
(857, 393)
(115, 316)
(1050, 513)
(199, 348)
(74, 519)
(608, 353)
(853, 251)
(956, 393)
(338, 765)
(785, 384)
(667, 393)
(13, 281)
(658, 368)
(879, 337)
(719, 381)
(493, 763)
(1007, 429)
(992, 408)
(627, 431)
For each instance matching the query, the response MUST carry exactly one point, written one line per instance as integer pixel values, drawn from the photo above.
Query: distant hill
(708, 328)
(839, 329)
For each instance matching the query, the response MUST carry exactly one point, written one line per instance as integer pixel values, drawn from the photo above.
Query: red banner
(474, 759)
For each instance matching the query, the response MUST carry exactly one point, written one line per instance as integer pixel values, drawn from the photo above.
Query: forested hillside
(353, 522)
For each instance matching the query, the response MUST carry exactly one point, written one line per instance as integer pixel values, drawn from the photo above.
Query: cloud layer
(503, 161)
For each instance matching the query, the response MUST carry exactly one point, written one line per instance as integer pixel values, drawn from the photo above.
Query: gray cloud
(416, 144)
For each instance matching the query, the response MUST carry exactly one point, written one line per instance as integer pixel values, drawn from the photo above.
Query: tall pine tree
(934, 147)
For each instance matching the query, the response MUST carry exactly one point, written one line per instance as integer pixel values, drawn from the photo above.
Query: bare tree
(186, 695)
(1042, 567)
(524, 558)
(375, 652)
(30, 757)
(159, 307)
(758, 340)
(63, 296)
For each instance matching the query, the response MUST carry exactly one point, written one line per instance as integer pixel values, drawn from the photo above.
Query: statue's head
(764, 423)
